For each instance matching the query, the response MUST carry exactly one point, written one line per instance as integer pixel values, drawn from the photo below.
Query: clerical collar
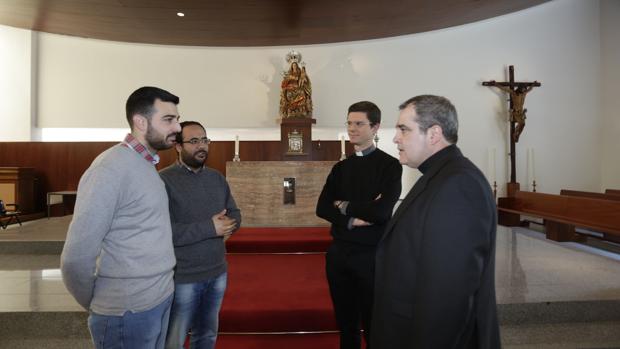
(366, 151)
(435, 158)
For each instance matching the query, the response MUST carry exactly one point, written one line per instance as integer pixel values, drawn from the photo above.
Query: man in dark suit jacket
(435, 264)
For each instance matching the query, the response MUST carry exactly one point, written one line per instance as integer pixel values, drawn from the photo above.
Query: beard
(192, 159)
(156, 140)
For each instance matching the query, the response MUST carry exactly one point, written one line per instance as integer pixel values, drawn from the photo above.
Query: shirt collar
(131, 142)
(366, 151)
(436, 158)
(182, 164)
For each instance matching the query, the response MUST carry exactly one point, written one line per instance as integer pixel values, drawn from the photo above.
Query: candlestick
(236, 157)
(342, 148)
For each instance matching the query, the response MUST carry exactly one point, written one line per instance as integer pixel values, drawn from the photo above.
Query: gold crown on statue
(293, 56)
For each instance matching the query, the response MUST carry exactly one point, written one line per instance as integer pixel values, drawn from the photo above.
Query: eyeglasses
(357, 124)
(195, 141)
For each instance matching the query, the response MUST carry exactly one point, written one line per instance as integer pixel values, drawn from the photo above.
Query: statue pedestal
(296, 139)
(512, 188)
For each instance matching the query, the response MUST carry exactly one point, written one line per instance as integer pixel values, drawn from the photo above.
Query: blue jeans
(145, 329)
(196, 306)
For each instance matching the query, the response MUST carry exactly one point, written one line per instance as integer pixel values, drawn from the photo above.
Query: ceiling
(248, 22)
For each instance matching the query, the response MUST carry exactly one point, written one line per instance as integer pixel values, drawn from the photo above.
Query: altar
(278, 193)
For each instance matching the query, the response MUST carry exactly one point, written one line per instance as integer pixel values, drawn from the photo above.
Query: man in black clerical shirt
(357, 199)
(435, 271)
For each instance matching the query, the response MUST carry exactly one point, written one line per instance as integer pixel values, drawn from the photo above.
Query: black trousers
(351, 275)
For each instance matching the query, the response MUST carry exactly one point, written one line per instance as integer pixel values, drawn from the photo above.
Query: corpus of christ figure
(517, 91)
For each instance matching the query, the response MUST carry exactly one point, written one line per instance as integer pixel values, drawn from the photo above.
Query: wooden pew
(589, 194)
(604, 196)
(562, 213)
(612, 191)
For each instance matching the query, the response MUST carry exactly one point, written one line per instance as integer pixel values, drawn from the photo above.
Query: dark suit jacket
(435, 264)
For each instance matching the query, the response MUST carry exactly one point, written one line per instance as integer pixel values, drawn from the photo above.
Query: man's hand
(224, 225)
(360, 223)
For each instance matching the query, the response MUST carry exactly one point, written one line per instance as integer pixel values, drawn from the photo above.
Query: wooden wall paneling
(166, 158)
(60, 165)
(329, 150)
(219, 153)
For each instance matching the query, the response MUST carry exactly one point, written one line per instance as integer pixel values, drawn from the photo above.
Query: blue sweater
(195, 197)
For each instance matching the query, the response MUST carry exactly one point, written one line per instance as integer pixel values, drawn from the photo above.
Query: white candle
(493, 172)
(530, 170)
(533, 167)
(237, 145)
(342, 144)
(491, 165)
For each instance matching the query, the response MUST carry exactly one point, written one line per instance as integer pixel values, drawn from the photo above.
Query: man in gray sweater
(203, 214)
(118, 259)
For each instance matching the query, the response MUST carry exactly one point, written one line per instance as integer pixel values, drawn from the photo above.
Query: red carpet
(270, 341)
(276, 293)
(279, 240)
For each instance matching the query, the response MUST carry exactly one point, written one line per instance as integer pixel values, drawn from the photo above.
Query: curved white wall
(84, 83)
(16, 100)
(610, 91)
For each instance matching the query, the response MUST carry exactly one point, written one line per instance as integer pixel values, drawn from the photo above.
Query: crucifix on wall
(517, 92)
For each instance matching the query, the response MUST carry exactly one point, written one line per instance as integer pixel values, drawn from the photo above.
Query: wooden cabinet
(17, 187)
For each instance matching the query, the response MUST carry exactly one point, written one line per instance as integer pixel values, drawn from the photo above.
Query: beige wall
(16, 90)
(610, 93)
(84, 83)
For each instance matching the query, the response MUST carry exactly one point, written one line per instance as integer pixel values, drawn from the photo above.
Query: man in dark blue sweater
(203, 213)
(357, 199)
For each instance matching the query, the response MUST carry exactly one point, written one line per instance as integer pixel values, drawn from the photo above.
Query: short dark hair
(184, 124)
(435, 110)
(141, 101)
(373, 113)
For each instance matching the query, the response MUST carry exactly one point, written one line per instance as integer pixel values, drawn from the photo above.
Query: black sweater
(360, 180)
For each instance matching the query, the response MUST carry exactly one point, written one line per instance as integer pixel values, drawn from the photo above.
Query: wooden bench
(589, 194)
(612, 191)
(562, 213)
(594, 195)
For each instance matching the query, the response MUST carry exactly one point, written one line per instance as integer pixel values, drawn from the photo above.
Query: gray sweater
(118, 255)
(194, 199)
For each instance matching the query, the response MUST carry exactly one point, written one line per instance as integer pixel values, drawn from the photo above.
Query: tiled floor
(34, 290)
(52, 229)
(529, 270)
